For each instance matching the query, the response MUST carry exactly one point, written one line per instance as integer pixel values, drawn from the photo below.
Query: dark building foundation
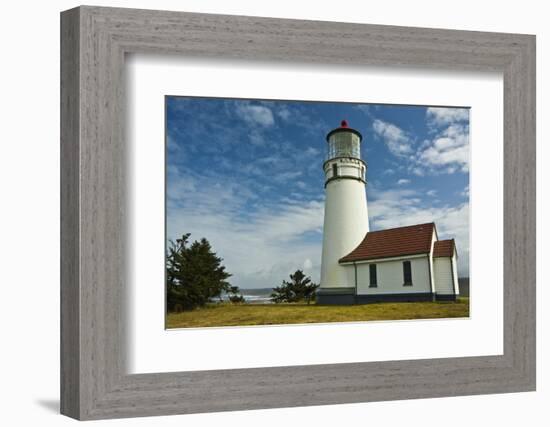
(347, 296)
(450, 297)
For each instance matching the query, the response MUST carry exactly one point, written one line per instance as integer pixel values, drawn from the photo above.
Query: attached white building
(361, 266)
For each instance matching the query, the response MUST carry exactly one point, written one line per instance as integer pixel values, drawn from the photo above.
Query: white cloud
(311, 151)
(271, 159)
(403, 181)
(449, 150)
(418, 171)
(260, 248)
(442, 116)
(398, 141)
(256, 138)
(367, 109)
(284, 113)
(255, 114)
(286, 176)
(431, 193)
(300, 116)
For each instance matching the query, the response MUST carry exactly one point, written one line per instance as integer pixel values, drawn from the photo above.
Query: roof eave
(349, 261)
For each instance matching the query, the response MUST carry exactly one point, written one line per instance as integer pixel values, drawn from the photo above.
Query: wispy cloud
(449, 150)
(398, 141)
(466, 191)
(312, 151)
(403, 181)
(256, 138)
(255, 114)
(284, 113)
(442, 116)
(299, 115)
(446, 151)
(287, 176)
(368, 109)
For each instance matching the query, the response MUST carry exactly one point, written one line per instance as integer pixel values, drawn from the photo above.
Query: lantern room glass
(344, 144)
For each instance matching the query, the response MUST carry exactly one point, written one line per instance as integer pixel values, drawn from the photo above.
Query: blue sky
(247, 175)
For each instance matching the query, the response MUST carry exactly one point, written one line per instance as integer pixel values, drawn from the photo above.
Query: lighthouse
(346, 220)
(358, 266)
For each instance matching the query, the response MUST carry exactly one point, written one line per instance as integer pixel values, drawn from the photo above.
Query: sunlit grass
(278, 314)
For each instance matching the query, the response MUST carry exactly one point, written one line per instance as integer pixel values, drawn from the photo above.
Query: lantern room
(344, 142)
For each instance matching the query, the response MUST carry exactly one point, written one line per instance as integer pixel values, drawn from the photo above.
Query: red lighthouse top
(344, 124)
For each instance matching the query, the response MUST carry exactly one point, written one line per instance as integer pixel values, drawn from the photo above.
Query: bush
(235, 296)
(300, 288)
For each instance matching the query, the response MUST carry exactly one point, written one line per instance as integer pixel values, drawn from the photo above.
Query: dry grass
(278, 314)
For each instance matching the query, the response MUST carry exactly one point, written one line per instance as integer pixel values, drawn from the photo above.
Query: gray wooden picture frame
(94, 41)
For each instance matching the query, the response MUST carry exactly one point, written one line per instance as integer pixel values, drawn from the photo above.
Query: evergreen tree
(194, 274)
(300, 288)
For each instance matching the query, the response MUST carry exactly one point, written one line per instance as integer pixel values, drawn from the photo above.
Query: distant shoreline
(263, 295)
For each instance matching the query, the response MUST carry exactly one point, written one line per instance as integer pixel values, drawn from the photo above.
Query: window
(344, 144)
(373, 282)
(407, 275)
(334, 169)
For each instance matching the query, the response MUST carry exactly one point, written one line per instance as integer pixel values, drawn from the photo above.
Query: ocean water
(255, 296)
(257, 299)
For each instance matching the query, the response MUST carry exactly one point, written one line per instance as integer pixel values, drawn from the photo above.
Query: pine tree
(300, 288)
(194, 274)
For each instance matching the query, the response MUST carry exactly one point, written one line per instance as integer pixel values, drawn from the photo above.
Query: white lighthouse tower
(346, 217)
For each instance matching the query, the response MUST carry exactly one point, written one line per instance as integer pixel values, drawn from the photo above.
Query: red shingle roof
(444, 248)
(410, 240)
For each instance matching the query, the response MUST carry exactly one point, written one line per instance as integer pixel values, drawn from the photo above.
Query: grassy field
(278, 314)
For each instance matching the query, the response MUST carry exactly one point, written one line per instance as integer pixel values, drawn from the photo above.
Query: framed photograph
(273, 176)
(349, 208)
